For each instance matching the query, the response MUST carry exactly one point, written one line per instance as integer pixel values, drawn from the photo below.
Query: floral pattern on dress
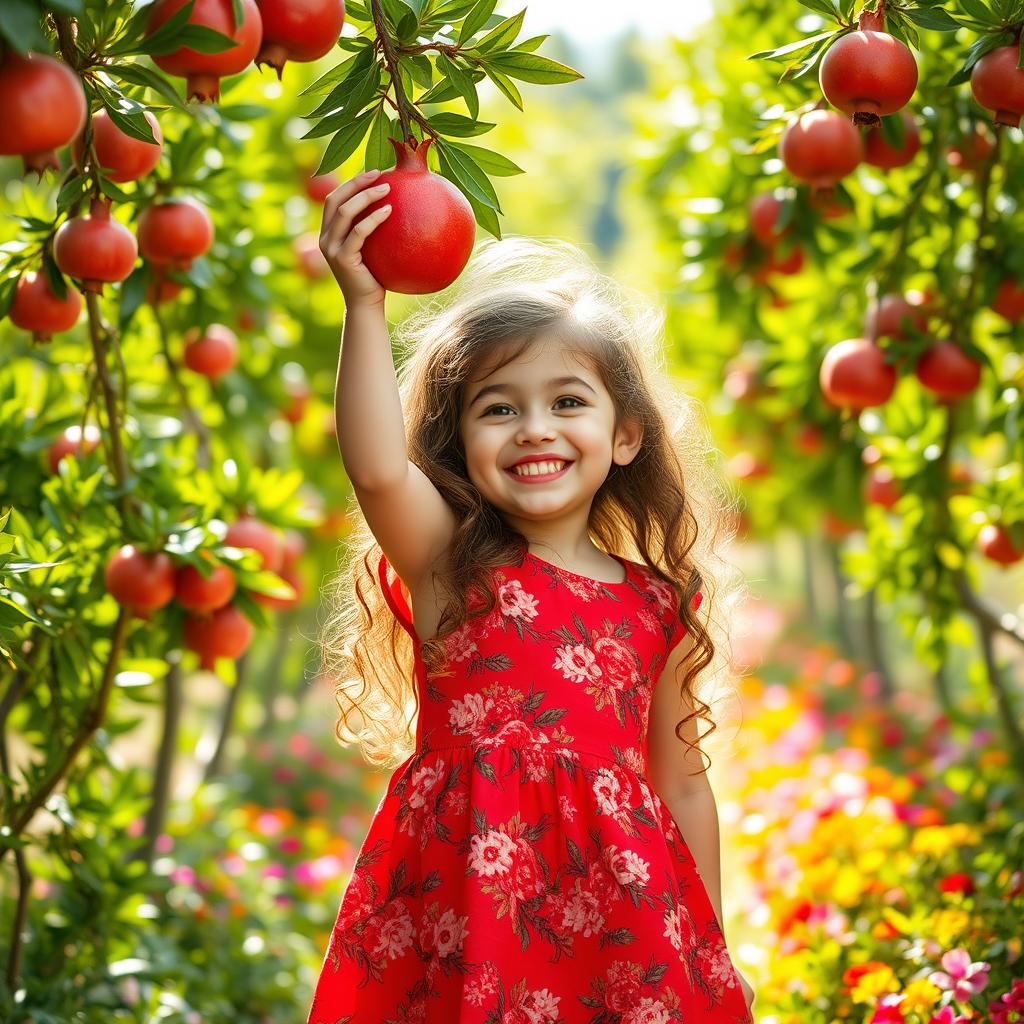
(520, 869)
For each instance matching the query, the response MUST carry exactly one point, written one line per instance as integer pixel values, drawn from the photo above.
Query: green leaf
(447, 123)
(530, 67)
(503, 34)
(789, 48)
(133, 294)
(338, 73)
(163, 40)
(420, 68)
(378, 149)
(128, 115)
(237, 13)
(464, 85)
(476, 19)
(345, 143)
(822, 7)
(504, 84)
(138, 74)
(205, 40)
(72, 192)
(491, 162)
(934, 18)
(472, 177)
(981, 11)
(55, 278)
(20, 26)
(354, 102)
(485, 216)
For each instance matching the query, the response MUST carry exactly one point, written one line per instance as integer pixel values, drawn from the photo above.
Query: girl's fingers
(342, 223)
(354, 242)
(345, 191)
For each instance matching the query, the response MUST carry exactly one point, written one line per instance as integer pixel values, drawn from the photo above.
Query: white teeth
(537, 468)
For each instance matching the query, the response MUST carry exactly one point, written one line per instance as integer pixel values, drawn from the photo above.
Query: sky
(594, 21)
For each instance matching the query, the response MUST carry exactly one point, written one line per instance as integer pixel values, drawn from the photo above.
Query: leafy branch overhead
(413, 55)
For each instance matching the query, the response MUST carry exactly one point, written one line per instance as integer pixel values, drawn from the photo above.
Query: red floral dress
(519, 868)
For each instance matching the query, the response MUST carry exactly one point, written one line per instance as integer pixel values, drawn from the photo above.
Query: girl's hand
(342, 244)
(748, 993)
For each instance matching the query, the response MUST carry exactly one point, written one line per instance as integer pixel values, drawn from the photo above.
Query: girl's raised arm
(412, 522)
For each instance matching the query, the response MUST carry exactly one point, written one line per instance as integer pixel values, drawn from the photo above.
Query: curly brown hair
(669, 508)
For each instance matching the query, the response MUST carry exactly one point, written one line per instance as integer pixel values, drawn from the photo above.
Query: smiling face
(548, 401)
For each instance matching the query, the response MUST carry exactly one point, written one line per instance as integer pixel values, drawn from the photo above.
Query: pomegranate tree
(820, 148)
(879, 153)
(43, 108)
(122, 157)
(868, 73)
(37, 309)
(96, 249)
(140, 580)
(175, 232)
(998, 84)
(212, 352)
(298, 30)
(224, 633)
(948, 371)
(855, 375)
(203, 71)
(428, 237)
(320, 186)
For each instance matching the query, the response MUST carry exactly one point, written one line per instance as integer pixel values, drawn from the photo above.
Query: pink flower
(999, 1010)
(962, 976)
(183, 875)
(888, 1010)
(947, 1015)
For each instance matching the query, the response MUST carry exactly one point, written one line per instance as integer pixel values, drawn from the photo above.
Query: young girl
(549, 851)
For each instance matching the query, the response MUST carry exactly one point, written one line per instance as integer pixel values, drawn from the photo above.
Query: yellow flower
(920, 996)
(936, 840)
(947, 926)
(873, 985)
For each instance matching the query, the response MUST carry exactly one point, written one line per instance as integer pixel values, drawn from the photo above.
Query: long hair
(669, 508)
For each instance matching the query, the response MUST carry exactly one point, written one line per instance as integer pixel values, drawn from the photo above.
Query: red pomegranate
(43, 107)
(895, 314)
(175, 232)
(971, 152)
(1009, 301)
(37, 309)
(95, 249)
(995, 542)
(747, 466)
(790, 262)
(123, 157)
(73, 441)
(428, 237)
(320, 187)
(249, 532)
(830, 206)
(809, 440)
(298, 30)
(880, 488)
(868, 73)
(294, 548)
(161, 289)
(948, 371)
(213, 352)
(820, 148)
(202, 594)
(224, 633)
(312, 262)
(203, 71)
(837, 528)
(299, 394)
(879, 153)
(998, 84)
(765, 210)
(854, 375)
(140, 581)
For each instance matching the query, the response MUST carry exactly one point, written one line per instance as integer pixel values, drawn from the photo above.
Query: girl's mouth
(538, 478)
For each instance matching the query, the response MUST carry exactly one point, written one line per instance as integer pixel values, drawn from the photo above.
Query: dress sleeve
(678, 629)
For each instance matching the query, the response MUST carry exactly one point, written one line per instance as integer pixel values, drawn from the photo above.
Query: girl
(528, 860)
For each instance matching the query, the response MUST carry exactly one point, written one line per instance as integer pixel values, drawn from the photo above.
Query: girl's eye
(564, 398)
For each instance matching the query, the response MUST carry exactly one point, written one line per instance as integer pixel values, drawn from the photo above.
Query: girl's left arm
(675, 770)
